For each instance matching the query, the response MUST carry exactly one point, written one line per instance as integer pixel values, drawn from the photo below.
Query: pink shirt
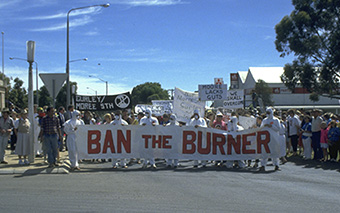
(323, 137)
(219, 125)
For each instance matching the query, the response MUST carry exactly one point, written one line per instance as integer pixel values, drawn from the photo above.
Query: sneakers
(21, 162)
(4, 162)
(277, 168)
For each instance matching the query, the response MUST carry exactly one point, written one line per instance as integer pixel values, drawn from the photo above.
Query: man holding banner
(196, 121)
(148, 120)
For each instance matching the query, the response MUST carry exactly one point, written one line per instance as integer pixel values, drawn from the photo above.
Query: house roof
(243, 75)
(267, 74)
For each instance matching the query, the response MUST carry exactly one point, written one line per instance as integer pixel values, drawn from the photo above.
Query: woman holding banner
(196, 121)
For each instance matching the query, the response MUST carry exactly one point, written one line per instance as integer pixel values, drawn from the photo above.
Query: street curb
(57, 170)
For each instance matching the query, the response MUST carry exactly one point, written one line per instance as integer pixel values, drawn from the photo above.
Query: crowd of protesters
(312, 134)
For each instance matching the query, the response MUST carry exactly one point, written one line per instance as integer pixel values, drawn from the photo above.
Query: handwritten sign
(213, 92)
(235, 99)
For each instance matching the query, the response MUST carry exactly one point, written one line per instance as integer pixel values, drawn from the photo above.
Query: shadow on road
(299, 161)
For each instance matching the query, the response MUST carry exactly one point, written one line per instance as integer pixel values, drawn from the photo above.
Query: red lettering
(189, 142)
(108, 142)
(126, 142)
(146, 137)
(236, 144)
(155, 141)
(93, 141)
(263, 142)
(166, 144)
(218, 141)
(200, 148)
(246, 143)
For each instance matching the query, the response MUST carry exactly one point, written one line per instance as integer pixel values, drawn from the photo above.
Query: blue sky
(178, 43)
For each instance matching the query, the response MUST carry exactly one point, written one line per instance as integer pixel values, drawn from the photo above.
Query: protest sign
(161, 107)
(234, 100)
(213, 92)
(247, 122)
(174, 142)
(103, 103)
(185, 103)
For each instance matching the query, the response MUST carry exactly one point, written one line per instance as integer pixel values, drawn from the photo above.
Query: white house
(282, 96)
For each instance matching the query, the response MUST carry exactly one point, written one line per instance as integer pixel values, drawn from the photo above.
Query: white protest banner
(185, 103)
(161, 107)
(247, 122)
(235, 99)
(213, 92)
(174, 142)
(142, 107)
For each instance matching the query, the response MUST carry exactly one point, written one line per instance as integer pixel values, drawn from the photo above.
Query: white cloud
(64, 15)
(76, 22)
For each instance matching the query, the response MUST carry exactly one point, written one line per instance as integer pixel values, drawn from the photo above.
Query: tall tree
(312, 33)
(264, 92)
(44, 97)
(18, 95)
(145, 93)
(61, 97)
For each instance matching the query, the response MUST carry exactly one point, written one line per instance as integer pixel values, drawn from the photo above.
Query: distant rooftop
(267, 74)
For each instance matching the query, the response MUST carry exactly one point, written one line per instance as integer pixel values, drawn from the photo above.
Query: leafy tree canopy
(312, 33)
(145, 93)
(264, 92)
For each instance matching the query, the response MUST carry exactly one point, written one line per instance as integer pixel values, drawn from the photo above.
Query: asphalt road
(299, 187)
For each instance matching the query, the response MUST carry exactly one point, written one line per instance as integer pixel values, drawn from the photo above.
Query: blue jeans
(51, 144)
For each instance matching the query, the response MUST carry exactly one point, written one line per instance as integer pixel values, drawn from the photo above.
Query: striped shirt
(50, 125)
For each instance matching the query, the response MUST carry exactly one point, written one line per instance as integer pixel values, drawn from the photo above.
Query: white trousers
(276, 161)
(307, 148)
(72, 150)
(122, 161)
(3, 145)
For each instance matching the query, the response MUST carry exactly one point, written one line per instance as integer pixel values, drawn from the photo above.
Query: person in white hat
(197, 121)
(148, 120)
(274, 123)
(173, 122)
(233, 127)
(70, 127)
(119, 121)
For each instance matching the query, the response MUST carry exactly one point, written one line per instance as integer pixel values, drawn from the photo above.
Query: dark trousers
(318, 154)
(294, 141)
(333, 150)
(13, 141)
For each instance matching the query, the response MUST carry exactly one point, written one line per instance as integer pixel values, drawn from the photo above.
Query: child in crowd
(323, 140)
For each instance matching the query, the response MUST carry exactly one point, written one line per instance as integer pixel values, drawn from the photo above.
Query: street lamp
(3, 55)
(30, 59)
(37, 78)
(107, 88)
(92, 90)
(68, 49)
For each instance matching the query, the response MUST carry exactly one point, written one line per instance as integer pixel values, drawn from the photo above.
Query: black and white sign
(234, 100)
(103, 103)
(213, 92)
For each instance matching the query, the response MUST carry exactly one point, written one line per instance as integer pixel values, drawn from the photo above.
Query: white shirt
(149, 121)
(199, 122)
(294, 125)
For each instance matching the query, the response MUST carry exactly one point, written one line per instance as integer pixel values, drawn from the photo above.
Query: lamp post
(3, 55)
(92, 90)
(30, 59)
(107, 86)
(36, 76)
(68, 49)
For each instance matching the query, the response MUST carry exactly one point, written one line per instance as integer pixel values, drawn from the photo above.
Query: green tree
(264, 92)
(18, 95)
(145, 93)
(312, 33)
(44, 97)
(61, 97)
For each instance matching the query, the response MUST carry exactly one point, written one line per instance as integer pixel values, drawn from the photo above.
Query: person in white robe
(119, 121)
(197, 121)
(172, 162)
